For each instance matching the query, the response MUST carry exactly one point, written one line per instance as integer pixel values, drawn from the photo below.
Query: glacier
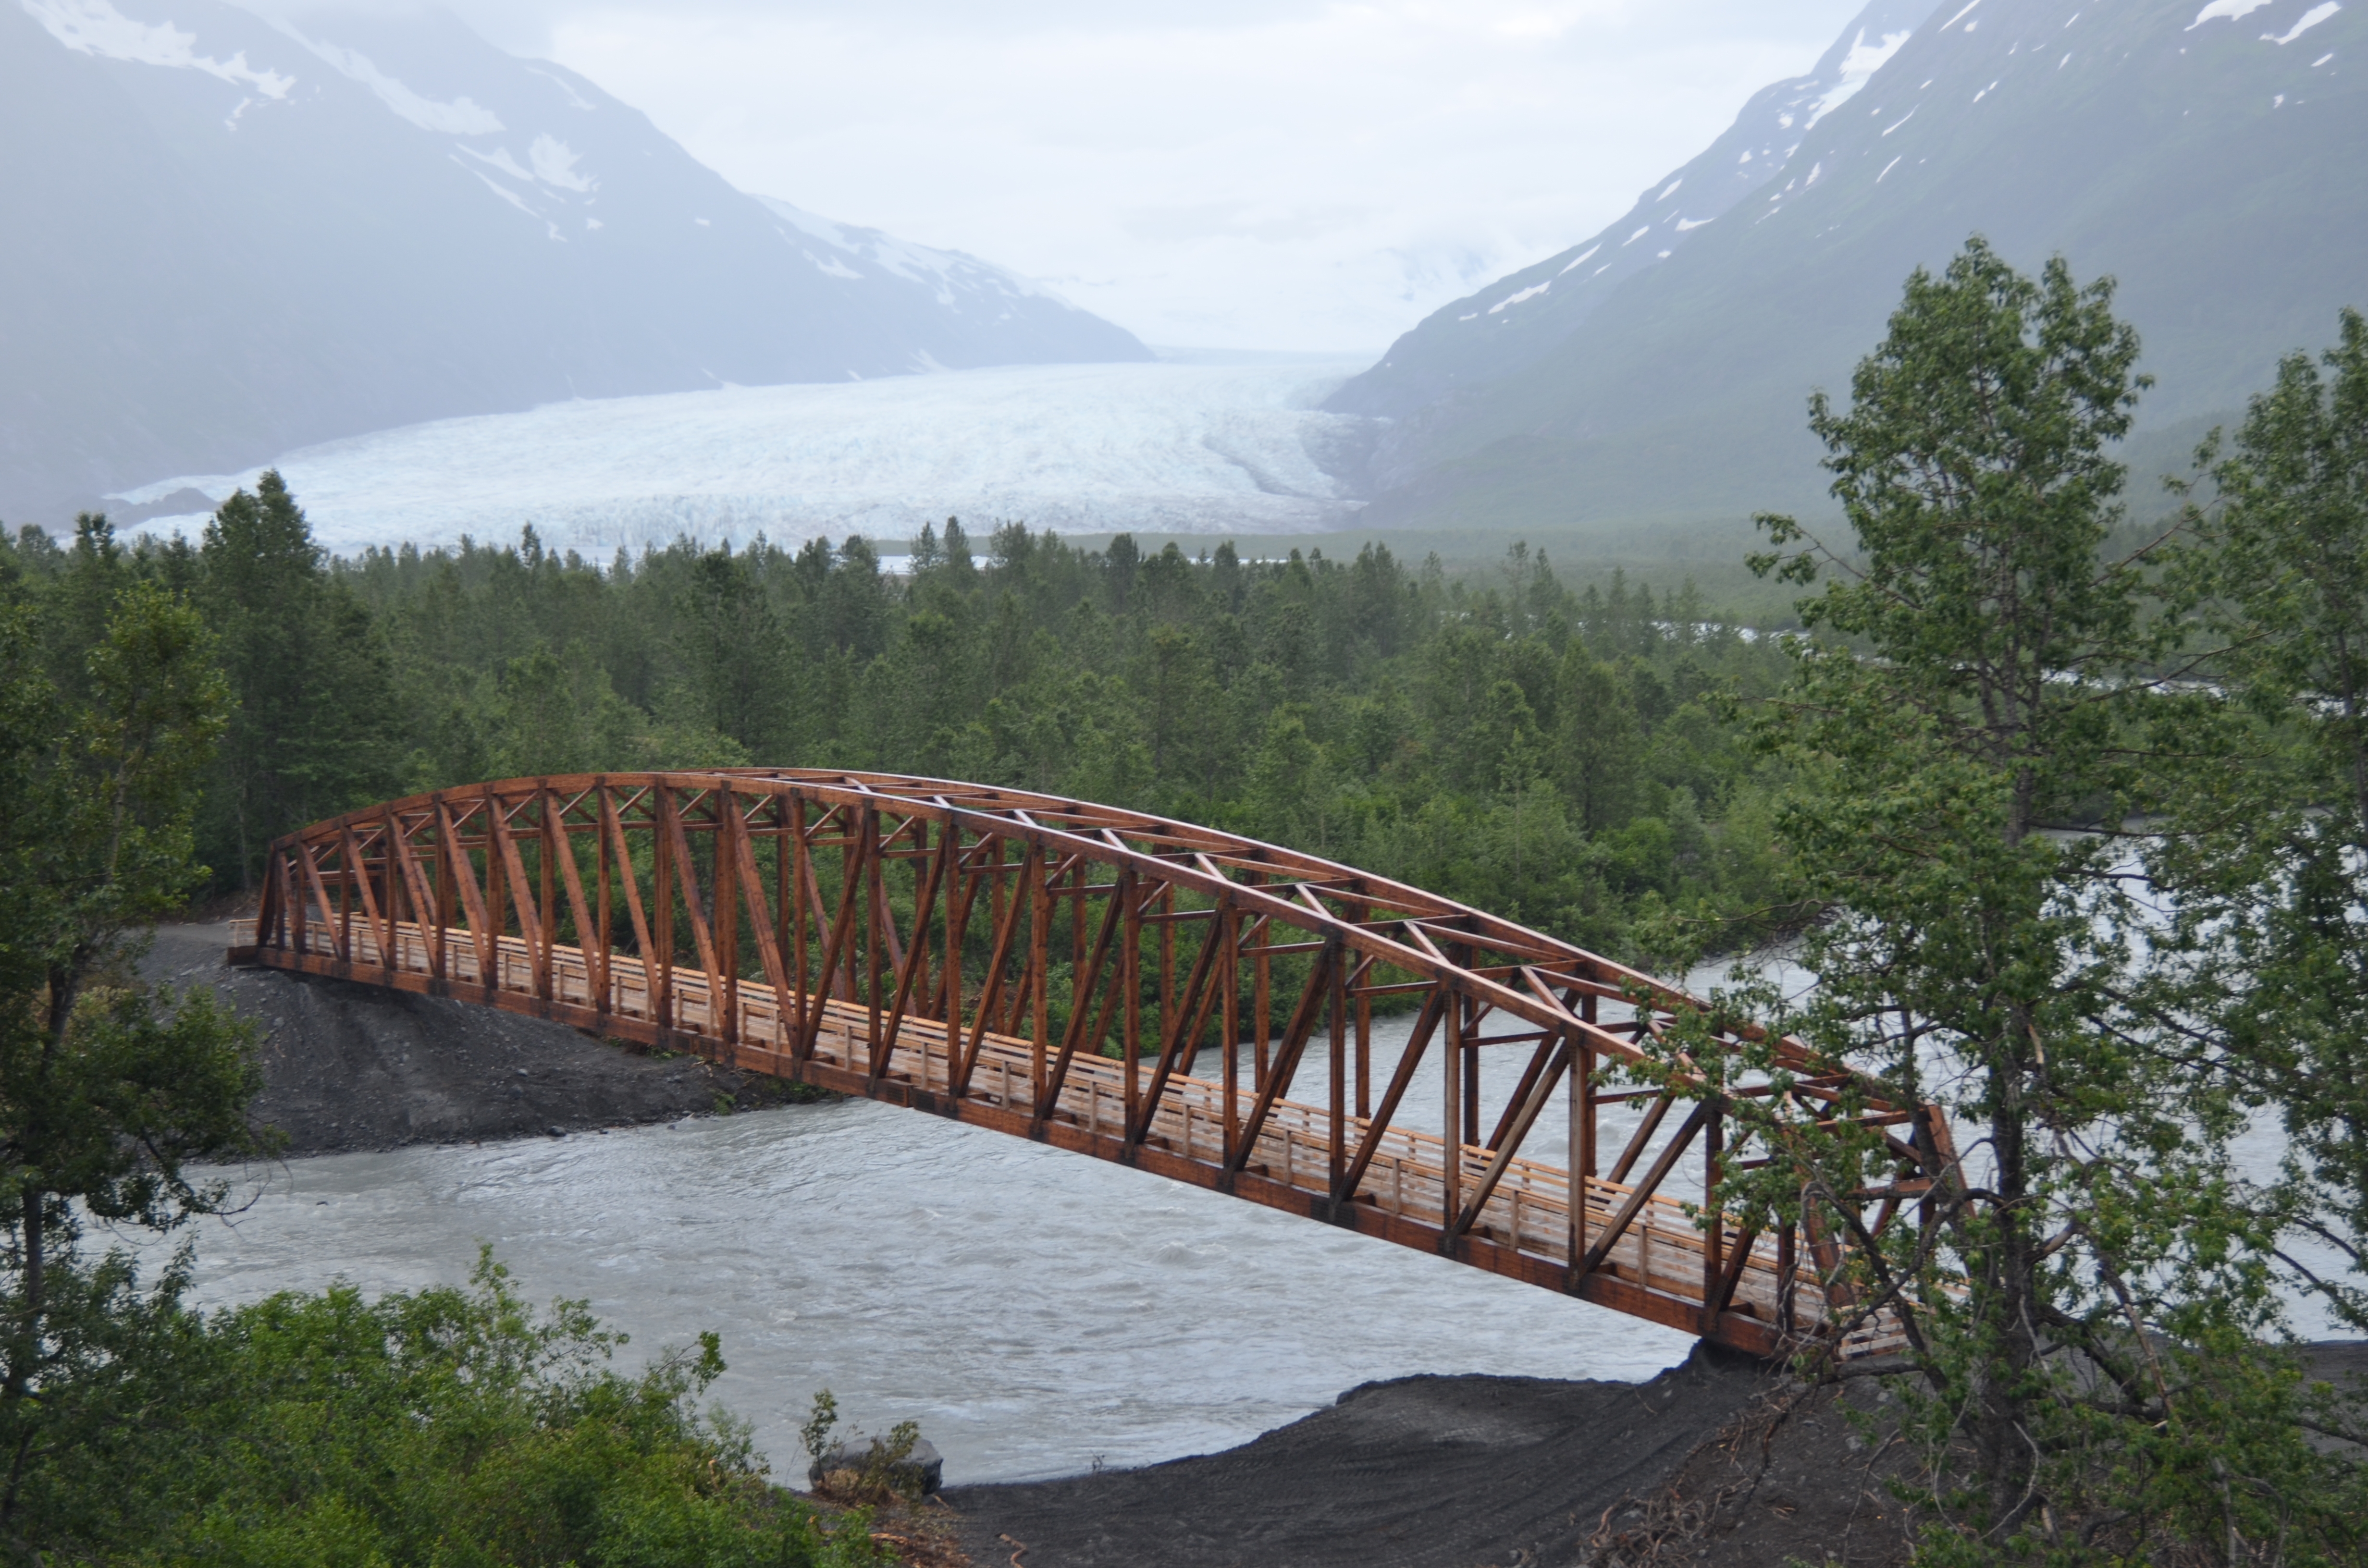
(1170, 447)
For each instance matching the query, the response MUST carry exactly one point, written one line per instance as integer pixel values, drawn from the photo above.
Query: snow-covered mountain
(2207, 153)
(229, 236)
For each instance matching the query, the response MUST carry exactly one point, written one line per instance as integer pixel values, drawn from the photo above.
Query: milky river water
(1038, 1312)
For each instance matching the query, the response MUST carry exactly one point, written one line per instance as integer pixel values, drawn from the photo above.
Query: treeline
(1557, 756)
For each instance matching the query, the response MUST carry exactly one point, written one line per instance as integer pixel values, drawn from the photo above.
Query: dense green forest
(1556, 756)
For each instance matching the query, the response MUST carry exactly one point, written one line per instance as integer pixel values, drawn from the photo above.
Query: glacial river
(1036, 1312)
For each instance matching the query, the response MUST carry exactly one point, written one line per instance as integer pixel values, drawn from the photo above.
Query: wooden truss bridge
(1108, 983)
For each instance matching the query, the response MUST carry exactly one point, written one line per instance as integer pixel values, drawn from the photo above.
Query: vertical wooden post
(662, 916)
(1039, 958)
(399, 902)
(1788, 1271)
(1451, 1118)
(604, 986)
(798, 873)
(300, 924)
(781, 885)
(441, 867)
(347, 897)
(1713, 1217)
(1130, 980)
(497, 910)
(726, 885)
(1582, 1134)
(875, 900)
(1229, 932)
(546, 867)
(1336, 1004)
(957, 918)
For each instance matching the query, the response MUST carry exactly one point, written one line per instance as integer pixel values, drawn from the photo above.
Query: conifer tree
(312, 731)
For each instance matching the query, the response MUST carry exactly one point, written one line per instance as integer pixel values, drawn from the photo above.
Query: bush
(457, 1426)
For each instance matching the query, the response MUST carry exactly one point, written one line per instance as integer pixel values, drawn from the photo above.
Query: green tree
(1288, 783)
(109, 1091)
(734, 656)
(1600, 749)
(2271, 872)
(2084, 1305)
(313, 731)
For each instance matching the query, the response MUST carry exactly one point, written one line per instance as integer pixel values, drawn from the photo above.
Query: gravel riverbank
(349, 1066)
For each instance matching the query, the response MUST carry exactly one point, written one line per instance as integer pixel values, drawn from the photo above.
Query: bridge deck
(1656, 1268)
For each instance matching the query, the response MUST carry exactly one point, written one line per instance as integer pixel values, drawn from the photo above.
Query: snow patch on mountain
(2310, 19)
(458, 117)
(554, 166)
(1858, 66)
(2233, 10)
(1531, 292)
(949, 273)
(95, 28)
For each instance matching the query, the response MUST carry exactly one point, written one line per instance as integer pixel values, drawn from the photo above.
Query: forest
(1569, 759)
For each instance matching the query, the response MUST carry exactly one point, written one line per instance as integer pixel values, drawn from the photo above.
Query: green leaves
(447, 1426)
(1972, 466)
(1978, 719)
(2271, 861)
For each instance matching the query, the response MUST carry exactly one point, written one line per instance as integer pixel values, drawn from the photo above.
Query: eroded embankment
(1418, 1472)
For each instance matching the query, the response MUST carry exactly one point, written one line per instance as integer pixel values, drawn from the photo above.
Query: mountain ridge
(2195, 157)
(240, 237)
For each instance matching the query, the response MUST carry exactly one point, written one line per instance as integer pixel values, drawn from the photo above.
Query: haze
(1278, 175)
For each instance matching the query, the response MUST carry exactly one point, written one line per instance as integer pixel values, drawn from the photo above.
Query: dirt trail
(349, 1066)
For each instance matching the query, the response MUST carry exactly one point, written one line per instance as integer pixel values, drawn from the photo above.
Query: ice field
(1084, 448)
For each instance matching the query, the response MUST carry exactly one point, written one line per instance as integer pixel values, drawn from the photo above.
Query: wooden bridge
(1059, 970)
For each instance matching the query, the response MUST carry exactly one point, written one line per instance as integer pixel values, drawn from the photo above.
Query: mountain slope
(229, 238)
(2204, 154)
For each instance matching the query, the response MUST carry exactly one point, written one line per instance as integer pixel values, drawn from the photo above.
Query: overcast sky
(1288, 173)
